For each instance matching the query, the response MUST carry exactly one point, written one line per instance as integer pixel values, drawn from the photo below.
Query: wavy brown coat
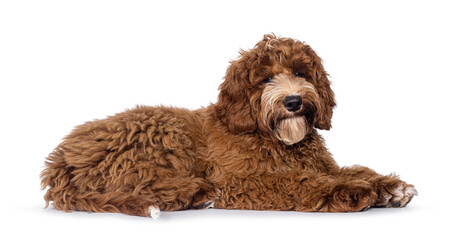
(227, 154)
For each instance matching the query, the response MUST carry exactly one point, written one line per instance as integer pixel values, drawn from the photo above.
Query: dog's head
(279, 88)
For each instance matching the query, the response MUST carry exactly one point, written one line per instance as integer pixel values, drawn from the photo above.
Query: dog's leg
(117, 202)
(391, 191)
(306, 192)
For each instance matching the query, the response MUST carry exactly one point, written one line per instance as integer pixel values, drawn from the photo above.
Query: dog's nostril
(292, 103)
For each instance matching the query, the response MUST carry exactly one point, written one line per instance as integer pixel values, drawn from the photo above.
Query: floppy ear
(327, 103)
(323, 119)
(233, 106)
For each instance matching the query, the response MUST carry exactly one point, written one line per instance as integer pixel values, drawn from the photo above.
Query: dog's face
(278, 88)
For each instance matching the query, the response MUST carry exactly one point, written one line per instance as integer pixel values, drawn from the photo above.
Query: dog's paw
(402, 195)
(154, 212)
(396, 195)
(353, 196)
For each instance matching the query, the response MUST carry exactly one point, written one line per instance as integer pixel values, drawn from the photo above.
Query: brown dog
(256, 148)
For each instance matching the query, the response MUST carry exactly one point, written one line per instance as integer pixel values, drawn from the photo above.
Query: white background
(66, 62)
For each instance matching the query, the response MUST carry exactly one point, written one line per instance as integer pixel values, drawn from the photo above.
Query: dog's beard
(291, 130)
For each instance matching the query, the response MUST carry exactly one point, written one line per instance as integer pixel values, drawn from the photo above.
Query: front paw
(353, 196)
(395, 193)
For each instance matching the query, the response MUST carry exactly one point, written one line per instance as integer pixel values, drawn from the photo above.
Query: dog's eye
(301, 75)
(267, 80)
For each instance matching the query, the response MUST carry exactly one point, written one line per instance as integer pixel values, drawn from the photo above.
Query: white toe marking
(410, 191)
(398, 191)
(154, 212)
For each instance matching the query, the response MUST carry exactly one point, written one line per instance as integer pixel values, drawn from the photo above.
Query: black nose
(292, 103)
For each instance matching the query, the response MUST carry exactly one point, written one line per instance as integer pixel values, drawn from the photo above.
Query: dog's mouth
(290, 117)
(304, 113)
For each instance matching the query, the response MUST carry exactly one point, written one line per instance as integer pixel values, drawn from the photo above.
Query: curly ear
(323, 119)
(327, 103)
(233, 106)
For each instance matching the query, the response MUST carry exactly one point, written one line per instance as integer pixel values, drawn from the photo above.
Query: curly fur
(244, 152)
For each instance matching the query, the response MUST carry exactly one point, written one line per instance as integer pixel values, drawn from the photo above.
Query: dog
(256, 148)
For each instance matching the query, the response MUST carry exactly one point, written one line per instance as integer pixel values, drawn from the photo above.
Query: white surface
(63, 63)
